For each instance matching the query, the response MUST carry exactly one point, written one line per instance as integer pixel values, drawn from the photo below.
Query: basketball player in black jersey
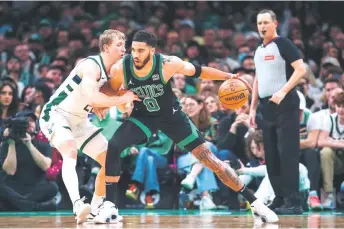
(148, 75)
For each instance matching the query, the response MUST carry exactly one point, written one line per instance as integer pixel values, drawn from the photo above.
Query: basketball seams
(234, 98)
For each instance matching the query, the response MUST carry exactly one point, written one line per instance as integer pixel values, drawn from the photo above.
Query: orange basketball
(233, 93)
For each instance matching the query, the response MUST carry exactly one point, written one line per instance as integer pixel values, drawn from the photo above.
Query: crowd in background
(40, 43)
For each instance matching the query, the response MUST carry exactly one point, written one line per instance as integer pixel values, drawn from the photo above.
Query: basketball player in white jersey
(64, 119)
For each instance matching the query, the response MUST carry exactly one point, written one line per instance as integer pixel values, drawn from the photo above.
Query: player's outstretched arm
(196, 71)
(89, 88)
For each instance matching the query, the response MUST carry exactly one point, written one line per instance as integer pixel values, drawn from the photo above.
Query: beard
(145, 61)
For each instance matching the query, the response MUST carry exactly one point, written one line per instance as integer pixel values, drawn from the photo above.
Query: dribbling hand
(232, 76)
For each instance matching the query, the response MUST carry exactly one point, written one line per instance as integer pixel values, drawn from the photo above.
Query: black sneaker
(292, 205)
(276, 203)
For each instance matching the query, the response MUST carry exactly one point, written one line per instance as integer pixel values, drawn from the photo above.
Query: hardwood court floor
(172, 219)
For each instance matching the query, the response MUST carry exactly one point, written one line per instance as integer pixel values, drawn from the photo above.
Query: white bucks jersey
(69, 98)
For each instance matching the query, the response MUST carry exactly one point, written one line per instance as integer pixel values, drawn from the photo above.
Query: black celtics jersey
(156, 94)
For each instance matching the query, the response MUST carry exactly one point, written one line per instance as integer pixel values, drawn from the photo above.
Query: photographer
(24, 160)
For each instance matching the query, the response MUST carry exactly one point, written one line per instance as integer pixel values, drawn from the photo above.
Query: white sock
(70, 178)
(96, 202)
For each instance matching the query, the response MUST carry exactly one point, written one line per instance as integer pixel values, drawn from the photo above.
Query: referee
(279, 68)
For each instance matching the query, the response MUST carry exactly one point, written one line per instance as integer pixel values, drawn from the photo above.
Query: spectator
(205, 179)
(14, 71)
(24, 161)
(180, 83)
(331, 141)
(151, 156)
(213, 105)
(309, 156)
(257, 170)
(8, 101)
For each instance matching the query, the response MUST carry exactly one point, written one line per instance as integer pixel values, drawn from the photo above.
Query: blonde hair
(108, 36)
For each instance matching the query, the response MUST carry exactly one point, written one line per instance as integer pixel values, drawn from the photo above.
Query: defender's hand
(101, 113)
(129, 97)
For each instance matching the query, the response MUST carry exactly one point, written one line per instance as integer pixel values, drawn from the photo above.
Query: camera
(17, 127)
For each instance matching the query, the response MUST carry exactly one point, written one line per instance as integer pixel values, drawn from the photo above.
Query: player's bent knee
(68, 149)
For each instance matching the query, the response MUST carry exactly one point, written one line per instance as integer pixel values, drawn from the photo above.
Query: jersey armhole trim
(160, 71)
(125, 73)
(100, 67)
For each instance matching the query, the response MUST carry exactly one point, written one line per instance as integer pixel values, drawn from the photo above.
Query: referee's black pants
(281, 132)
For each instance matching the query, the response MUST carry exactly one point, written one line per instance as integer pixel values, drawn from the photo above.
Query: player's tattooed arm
(224, 172)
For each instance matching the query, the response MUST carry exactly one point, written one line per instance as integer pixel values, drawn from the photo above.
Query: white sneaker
(188, 182)
(108, 213)
(81, 210)
(207, 203)
(328, 202)
(262, 214)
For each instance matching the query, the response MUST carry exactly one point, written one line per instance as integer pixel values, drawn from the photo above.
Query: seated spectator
(13, 71)
(257, 169)
(24, 162)
(214, 107)
(8, 101)
(26, 98)
(180, 83)
(151, 156)
(195, 108)
(309, 156)
(332, 144)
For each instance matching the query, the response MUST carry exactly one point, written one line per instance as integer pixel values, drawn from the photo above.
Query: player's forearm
(294, 79)
(254, 101)
(208, 73)
(102, 100)
(42, 161)
(10, 163)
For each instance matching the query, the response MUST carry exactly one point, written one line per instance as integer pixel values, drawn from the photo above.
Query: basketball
(233, 93)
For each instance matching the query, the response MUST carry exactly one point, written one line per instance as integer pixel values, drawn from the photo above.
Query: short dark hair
(332, 80)
(267, 11)
(145, 36)
(46, 91)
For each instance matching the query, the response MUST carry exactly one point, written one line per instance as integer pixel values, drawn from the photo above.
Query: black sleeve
(227, 139)
(3, 153)
(44, 148)
(288, 50)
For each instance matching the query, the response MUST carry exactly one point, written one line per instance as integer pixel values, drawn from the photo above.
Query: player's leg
(64, 142)
(131, 132)
(185, 134)
(94, 144)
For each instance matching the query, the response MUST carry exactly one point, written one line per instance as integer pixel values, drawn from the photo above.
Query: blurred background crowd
(40, 42)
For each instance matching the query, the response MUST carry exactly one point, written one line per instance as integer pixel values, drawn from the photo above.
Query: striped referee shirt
(273, 65)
